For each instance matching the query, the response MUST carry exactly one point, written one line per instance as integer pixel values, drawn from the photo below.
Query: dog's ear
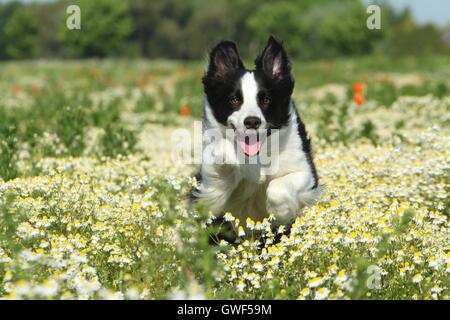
(273, 60)
(224, 59)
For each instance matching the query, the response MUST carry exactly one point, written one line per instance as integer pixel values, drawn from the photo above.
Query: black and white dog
(248, 111)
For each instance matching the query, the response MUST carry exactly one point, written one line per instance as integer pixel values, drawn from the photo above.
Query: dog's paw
(288, 194)
(220, 153)
(224, 154)
(281, 201)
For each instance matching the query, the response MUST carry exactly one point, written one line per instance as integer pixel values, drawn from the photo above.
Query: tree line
(181, 29)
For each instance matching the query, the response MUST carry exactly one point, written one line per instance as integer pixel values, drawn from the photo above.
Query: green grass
(92, 206)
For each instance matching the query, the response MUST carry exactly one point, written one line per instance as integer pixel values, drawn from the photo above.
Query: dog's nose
(252, 122)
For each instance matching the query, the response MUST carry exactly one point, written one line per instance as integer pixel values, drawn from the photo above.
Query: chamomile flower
(417, 278)
(321, 293)
(315, 282)
(241, 232)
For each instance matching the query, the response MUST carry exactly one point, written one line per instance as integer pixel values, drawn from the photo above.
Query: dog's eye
(234, 101)
(266, 101)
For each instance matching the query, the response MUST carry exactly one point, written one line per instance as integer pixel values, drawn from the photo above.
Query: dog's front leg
(224, 154)
(287, 194)
(219, 174)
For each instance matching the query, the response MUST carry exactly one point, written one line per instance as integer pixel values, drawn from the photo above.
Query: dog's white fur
(249, 190)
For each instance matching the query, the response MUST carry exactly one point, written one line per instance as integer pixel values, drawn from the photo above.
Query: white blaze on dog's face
(248, 121)
(251, 103)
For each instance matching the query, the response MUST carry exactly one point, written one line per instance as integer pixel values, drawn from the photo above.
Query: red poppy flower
(35, 89)
(358, 98)
(184, 111)
(358, 87)
(17, 89)
(93, 73)
(140, 83)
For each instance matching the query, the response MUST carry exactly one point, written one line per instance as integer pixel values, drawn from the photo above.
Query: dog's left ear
(224, 59)
(274, 60)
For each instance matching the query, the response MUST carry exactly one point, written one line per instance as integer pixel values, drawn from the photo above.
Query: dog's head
(250, 102)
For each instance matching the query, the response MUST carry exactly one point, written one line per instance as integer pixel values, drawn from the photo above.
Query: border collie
(247, 112)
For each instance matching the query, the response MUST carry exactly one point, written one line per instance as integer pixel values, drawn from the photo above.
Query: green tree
(315, 29)
(282, 19)
(6, 11)
(105, 27)
(341, 29)
(208, 25)
(51, 16)
(159, 26)
(408, 38)
(20, 32)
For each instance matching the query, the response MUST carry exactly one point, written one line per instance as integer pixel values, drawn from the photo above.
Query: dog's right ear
(224, 59)
(273, 60)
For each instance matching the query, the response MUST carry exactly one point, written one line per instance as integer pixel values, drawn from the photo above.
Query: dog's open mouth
(250, 145)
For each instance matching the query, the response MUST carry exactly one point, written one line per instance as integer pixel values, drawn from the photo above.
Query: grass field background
(93, 207)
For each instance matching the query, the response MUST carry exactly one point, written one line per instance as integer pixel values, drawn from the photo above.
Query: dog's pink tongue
(250, 149)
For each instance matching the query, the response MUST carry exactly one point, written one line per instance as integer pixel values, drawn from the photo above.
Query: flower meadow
(92, 205)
